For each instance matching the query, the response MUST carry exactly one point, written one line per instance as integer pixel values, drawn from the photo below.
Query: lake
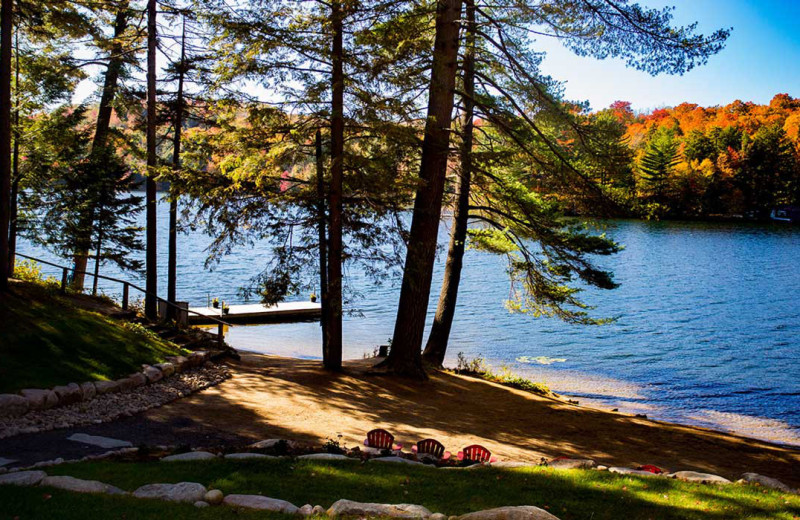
(708, 329)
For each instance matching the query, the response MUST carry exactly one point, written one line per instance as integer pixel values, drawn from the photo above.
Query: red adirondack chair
(651, 469)
(476, 453)
(382, 440)
(431, 447)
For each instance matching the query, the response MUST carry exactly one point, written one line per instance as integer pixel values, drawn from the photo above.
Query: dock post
(220, 335)
(64, 277)
(125, 289)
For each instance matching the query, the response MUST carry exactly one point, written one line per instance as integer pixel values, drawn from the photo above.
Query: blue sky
(761, 58)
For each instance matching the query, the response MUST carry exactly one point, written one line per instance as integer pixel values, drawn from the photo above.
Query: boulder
(365, 509)
(102, 442)
(637, 472)
(306, 510)
(153, 374)
(106, 387)
(166, 368)
(68, 394)
(437, 516)
(245, 456)
(318, 510)
(190, 492)
(79, 485)
(513, 464)
(200, 504)
(510, 513)
(138, 379)
(192, 455)
(196, 359)
(214, 497)
(261, 503)
(572, 464)
(22, 478)
(267, 444)
(39, 399)
(13, 405)
(695, 476)
(767, 482)
(397, 460)
(88, 390)
(325, 456)
(179, 362)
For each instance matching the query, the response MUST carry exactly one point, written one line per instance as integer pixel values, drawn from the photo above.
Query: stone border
(33, 399)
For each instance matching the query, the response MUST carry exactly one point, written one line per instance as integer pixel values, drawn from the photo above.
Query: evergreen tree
(659, 159)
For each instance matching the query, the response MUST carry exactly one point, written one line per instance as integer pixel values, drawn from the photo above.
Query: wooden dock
(258, 313)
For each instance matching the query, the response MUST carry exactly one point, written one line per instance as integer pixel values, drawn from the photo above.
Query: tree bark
(151, 257)
(436, 347)
(323, 252)
(100, 139)
(172, 261)
(405, 357)
(6, 28)
(14, 211)
(334, 317)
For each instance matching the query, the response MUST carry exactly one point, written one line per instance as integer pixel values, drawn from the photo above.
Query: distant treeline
(689, 161)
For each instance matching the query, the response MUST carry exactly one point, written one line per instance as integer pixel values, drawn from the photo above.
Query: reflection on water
(708, 330)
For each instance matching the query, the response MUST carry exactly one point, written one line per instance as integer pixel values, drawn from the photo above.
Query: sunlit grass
(569, 494)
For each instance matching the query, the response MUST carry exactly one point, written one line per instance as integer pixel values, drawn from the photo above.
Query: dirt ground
(273, 397)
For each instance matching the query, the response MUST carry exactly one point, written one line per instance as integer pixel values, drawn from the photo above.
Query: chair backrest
(380, 439)
(431, 446)
(477, 453)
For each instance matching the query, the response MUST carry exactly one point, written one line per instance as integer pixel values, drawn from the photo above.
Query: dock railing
(126, 287)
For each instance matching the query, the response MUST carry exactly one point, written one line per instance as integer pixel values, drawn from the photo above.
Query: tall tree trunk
(323, 250)
(405, 357)
(172, 262)
(97, 259)
(333, 360)
(12, 233)
(440, 331)
(151, 257)
(102, 127)
(6, 27)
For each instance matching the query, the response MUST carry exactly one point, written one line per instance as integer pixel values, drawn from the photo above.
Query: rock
(181, 492)
(512, 464)
(398, 460)
(694, 476)
(200, 504)
(572, 464)
(153, 374)
(318, 510)
(262, 503)
(88, 390)
(166, 368)
(13, 405)
(106, 387)
(601, 468)
(197, 359)
(244, 456)
(138, 379)
(629, 471)
(192, 455)
(214, 496)
(437, 516)
(39, 399)
(103, 442)
(306, 510)
(768, 482)
(79, 485)
(23, 478)
(271, 443)
(179, 362)
(510, 513)
(68, 394)
(363, 509)
(325, 456)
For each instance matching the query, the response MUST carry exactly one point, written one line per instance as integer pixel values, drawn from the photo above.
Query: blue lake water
(708, 330)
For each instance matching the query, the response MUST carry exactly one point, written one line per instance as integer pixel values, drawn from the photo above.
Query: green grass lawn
(48, 341)
(567, 494)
